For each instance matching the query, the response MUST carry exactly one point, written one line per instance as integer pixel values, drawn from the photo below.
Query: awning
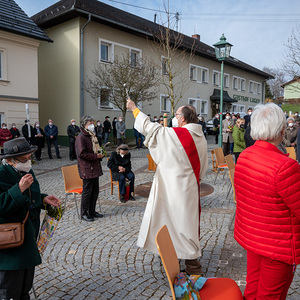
(226, 98)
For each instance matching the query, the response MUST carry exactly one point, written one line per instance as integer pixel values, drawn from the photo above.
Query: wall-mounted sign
(245, 99)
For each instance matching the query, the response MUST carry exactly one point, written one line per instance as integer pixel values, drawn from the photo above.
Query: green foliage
(290, 107)
(54, 212)
(268, 93)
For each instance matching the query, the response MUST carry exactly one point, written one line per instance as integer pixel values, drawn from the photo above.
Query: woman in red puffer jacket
(267, 223)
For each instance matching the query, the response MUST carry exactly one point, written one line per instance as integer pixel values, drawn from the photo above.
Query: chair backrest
(229, 161)
(71, 178)
(111, 179)
(291, 151)
(168, 255)
(231, 176)
(219, 156)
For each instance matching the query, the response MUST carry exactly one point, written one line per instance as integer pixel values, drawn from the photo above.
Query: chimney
(196, 36)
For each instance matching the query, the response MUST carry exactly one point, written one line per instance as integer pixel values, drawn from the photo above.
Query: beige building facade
(20, 38)
(96, 33)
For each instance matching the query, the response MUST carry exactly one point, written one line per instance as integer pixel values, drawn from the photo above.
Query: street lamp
(222, 49)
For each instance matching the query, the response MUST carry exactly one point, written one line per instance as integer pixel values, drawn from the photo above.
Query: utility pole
(177, 19)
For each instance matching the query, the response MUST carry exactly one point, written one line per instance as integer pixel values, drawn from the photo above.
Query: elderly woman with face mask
(120, 165)
(121, 128)
(290, 136)
(238, 136)
(89, 157)
(19, 194)
(267, 223)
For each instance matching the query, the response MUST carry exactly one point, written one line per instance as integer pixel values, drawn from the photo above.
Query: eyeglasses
(25, 160)
(177, 114)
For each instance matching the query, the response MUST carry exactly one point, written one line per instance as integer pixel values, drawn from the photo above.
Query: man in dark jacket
(51, 132)
(89, 167)
(72, 131)
(248, 117)
(216, 123)
(107, 129)
(120, 165)
(27, 131)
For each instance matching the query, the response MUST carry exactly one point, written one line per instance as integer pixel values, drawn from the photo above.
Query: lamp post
(222, 49)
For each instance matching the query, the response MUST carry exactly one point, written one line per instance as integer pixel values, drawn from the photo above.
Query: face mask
(50, 124)
(161, 118)
(4, 127)
(217, 116)
(108, 119)
(291, 124)
(122, 155)
(228, 117)
(14, 126)
(91, 127)
(73, 123)
(296, 115)
(250, 113)
(120, 120)
(174, 122)
(242, 126)
(155, 120)
(37, 125)
(98, 124)
(24, 167)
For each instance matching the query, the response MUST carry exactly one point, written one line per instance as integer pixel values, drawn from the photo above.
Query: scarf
(96, 147)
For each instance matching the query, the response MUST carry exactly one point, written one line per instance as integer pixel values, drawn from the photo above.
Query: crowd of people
(236, 133)
(267, 221)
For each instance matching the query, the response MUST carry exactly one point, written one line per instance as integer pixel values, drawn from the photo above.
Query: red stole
(189, 146)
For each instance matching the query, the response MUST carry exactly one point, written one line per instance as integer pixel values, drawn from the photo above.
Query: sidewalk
(100, 260)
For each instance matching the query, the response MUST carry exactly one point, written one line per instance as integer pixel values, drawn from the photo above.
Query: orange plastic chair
(214, 162)
(112, 183)
(213, 289)
(151, 163)
(291, 151)
(231, 168)
(73, 183)
(221, 164)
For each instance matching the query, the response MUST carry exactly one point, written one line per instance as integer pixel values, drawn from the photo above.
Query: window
(258, 88)
(165, 104)
(134, 58)
(164, 69)
(104, 99)
(204, 75)
(226, 80)
(243, 84)
(216, 78)
(239, 83)
(106, 51)
(193, 73)
(1, 66)
(236, 108)
(200, 105)
(251, 86)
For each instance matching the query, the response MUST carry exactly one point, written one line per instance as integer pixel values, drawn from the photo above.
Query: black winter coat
(117, 160)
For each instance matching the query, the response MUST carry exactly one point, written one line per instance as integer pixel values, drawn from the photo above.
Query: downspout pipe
(82, 66)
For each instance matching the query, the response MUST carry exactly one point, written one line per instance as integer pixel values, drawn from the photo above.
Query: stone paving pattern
(100, 259)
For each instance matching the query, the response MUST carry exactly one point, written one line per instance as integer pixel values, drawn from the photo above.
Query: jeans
(106, 136)
(130, 176)
(49, 142)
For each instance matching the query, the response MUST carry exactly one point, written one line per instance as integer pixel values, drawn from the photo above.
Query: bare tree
(108, 80)
(275, 84)
(291, 62)
(173, 60)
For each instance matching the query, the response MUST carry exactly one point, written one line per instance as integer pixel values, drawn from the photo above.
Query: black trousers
(89, 196)
(49, 142)
(16, 284)
(72, 153)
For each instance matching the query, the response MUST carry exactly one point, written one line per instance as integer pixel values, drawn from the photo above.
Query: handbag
(12, 234)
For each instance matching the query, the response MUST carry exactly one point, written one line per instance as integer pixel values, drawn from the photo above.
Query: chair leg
(34, 292)
(111, 188)
(216, 176)
(119, 192)
(224, 174)
(230, 187)
(78, 214)
(65, 202)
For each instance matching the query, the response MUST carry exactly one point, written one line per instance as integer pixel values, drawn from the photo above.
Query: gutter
(82, 66)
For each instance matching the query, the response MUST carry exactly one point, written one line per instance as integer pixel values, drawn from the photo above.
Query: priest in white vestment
(174, 198)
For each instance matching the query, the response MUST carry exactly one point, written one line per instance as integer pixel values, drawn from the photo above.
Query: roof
(65, 10)
(295, 79)
(14, 19)
(226, 98)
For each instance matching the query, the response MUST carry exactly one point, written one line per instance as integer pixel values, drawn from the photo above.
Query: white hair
(289, 119)
(267, 122)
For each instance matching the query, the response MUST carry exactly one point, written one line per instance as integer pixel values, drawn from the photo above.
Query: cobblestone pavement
(100, 260)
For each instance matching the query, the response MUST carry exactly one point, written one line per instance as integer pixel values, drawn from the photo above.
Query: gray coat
(120, 127)
(226, 134)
